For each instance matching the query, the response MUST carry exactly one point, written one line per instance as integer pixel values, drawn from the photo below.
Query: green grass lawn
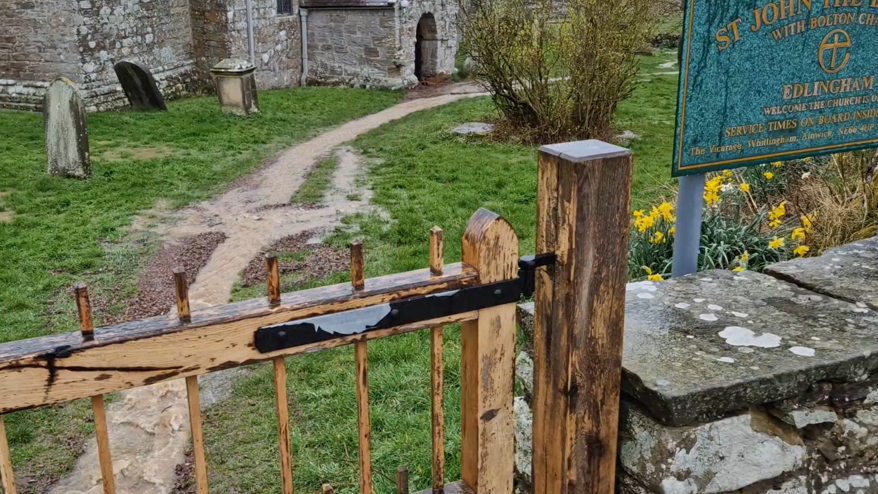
(425, 177)
(65, 231)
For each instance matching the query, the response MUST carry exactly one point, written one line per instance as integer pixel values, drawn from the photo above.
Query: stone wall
(375, 47)
(744, 382)
(44, 39)
(277, 38)
(353, 46)
(38, 42)
(155, 33)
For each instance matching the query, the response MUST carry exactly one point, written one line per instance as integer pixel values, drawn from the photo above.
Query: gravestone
(140, 87)
(235, 81)
(66, 131)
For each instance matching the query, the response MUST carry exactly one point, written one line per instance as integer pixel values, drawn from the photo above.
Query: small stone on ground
(474, 128)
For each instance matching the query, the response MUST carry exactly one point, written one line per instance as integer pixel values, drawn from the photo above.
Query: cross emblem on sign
(832, 43)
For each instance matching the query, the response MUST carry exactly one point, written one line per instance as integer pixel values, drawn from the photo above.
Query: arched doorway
(426, 48)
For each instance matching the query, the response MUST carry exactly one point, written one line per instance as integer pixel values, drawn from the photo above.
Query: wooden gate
(583, 220)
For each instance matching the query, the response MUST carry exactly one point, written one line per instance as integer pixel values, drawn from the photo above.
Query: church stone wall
(156, 33)
(37, 43)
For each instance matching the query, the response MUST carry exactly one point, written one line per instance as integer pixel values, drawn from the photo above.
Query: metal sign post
(690, 202)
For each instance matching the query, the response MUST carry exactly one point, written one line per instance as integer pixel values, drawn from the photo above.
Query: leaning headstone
(139, 86)
(236, 86)
(66, 131)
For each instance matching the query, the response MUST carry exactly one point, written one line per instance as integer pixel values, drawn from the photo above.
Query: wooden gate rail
(91, 363)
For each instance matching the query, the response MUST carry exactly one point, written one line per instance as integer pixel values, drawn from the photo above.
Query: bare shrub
(557, 69)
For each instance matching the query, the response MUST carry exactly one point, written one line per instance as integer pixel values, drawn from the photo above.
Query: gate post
(582, 216)
(487, 361)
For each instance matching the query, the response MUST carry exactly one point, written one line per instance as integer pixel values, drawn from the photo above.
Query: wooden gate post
(487, 361)
(582, 216)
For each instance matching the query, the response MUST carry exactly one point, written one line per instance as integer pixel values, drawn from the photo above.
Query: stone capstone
(66, 127)
(702, 345)
(849, 272)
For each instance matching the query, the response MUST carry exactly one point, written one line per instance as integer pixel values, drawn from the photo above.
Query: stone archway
(426, 48)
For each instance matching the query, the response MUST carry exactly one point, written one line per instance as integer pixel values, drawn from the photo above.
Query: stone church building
(376, 43)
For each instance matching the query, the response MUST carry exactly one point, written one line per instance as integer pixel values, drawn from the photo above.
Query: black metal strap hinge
(401, 312)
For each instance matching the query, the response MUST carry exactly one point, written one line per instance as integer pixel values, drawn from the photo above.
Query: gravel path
(149, 427)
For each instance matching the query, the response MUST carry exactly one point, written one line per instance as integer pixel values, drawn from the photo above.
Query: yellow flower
(774, 224)
(712, 190)
(776, 243)
(745, 187)
(643, 224)
(801, 250)
(806, 223)
(646, 269)
(798, 234)
(745, 256)
(738, 269)
(768, 175)
(638, 213)
(657, 238)
(666, 209)
(673, 231)
(807, 160)
(655, 213)
(655, 277)
(727, 173)
(777, 164)
(779, 212)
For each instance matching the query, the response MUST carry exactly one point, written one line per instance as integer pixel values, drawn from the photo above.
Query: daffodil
(643, 224)
(655, 277)
(768, 175)
(806, 223)
(798, 234)
(774, 224)
(738, 269)
(776, 243)
(776, 214)
(745, 257)
(807, 160)
(801, 250)
(657, 238)
(638, 213)
(777, 164)
(727, 173)
(666, 210)
(744, 187)
(672, 231)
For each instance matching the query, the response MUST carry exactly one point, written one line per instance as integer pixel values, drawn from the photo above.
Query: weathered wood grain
(364, 426)
(181, 292)
(402, 480)
(283, 424)
(487, 359)
(273, 279)
(437, 382)
(83, 307)
(193, 396)
(436, 250)
(583, 217)
(103, 439)
(358, 266)
(61, 368)
(453, 488)
(6, 475)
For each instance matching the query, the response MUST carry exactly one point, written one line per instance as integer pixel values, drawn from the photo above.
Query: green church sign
(769, 81)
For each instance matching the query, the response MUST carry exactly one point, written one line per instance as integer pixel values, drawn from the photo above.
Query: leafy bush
(557, 68)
